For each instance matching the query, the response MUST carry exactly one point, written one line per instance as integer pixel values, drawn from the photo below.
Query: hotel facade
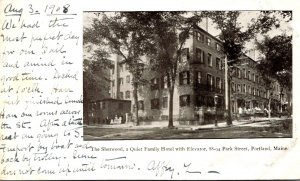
(199, 92)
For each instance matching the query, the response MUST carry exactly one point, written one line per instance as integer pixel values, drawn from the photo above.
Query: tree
(170, 31)
(233, 39)
(124, 37)
(276, 62)
(95, 63)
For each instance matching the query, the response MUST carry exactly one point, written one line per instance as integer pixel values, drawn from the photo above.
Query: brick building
(200, 83)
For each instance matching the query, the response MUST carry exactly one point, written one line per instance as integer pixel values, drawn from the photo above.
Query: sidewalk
(238, 129)
(180, 127)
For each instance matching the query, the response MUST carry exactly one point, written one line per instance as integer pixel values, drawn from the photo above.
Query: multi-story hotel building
(199, 84)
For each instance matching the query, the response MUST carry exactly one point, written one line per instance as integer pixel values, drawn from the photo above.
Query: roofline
(201, 29)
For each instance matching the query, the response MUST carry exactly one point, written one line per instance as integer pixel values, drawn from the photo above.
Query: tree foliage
(276, 61)
(170, 31)
(124, 36)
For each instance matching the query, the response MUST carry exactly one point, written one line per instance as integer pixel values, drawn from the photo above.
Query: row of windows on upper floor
(127, 95)
(185, 79)
(122, 67)
(121, 80)
(246, 74)
(247, 89)
(206, 40)
(201, 57)
(211, 81)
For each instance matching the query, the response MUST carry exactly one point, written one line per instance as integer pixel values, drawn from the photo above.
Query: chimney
(206, 25)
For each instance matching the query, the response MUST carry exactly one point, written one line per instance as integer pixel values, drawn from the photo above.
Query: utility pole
(227, 94)
(226, 85)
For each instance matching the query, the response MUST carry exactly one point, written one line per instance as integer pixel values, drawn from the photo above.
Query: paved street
(241, 129)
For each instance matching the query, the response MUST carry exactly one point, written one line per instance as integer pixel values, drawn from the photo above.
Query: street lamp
(216, 103)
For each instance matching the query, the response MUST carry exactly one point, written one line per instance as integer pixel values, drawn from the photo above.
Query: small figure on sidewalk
(240, 113)
(116, 119)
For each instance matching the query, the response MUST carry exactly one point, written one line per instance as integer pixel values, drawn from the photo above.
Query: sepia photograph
(162, 75)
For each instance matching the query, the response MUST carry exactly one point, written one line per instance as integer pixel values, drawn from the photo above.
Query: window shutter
(180, 78)
(188, 54)
(188, 77)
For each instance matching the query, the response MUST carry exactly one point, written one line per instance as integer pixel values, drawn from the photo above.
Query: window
(239, 73)
(185, 55)
(208, 41)
(103, 105)
(236, 72)
(165, 102)
(121, 95)
(199, 55)
(200, 37)
(154, 84)
(127, 95)
(239, 88)
(222, 84)
(164, 82)
(128, 79)
(232, 87)
(249, 75)
(249, 89)
(140, 105)
(244, 88)
(112, 70)
(210, 101)
(218, 83)
(121, 81)
(218, 63)
(245, 73)
(218, 47)
(209, 60)
(253, 77)
(120, 105)
(184, 100)
(209, 80)
(200, 100)
(121, 67)
(184, 78)
(198, 76)
(197, 35)
(155, 104)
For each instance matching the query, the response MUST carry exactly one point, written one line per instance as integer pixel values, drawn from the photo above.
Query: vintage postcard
(149, 90)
